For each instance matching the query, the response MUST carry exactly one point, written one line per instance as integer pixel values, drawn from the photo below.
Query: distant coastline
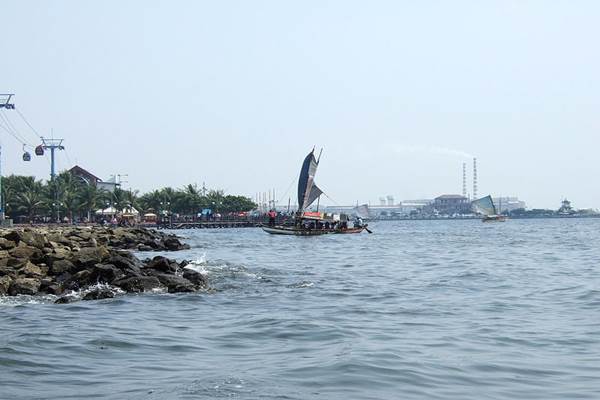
(468, 217)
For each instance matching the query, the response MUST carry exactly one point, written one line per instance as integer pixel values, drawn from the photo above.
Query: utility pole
(4, 103)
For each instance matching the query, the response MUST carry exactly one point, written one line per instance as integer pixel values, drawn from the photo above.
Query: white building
(508, 203)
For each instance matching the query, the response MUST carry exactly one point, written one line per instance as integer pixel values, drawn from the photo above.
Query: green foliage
(69, 195)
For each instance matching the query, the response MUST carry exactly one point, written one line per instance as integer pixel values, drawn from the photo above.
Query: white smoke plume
(433, 150)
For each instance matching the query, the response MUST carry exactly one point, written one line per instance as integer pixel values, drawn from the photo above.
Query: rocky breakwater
(94, 261)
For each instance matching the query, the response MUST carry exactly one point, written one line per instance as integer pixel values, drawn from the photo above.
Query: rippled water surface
(418, 310)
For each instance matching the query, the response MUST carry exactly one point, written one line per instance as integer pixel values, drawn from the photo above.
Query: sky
(235, 94)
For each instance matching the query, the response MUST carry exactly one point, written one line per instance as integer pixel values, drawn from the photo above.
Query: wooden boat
(494, 218)
(308, 223)
(290, 230)
(486, 207)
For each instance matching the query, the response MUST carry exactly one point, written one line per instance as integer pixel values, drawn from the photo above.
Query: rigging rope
(335, 202)
(286, 191)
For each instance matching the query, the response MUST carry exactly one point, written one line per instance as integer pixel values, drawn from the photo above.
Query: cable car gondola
(39, 150)
(26, 155)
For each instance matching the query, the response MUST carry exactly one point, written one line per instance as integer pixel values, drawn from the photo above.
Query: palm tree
(89, 198)
(31, 198)
(70, 202)
(151, 201)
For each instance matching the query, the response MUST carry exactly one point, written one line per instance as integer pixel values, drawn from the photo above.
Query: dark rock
(176, 284)
(83, 235)
(144, 247)
(13, 236)
(63, 277)
(31, 270)
(129, 265)
(65, 300)
(162, 264)
(59, 253)
(196, 278)
(89, 256)
(98, 294)
(5, 282)
(6, 244)
(105, 273)
(78, 281)
(137, 284)
(173, 244)
(34, 239)
(26, 252)
(24, 286)
(8, 271)
(50, 287)
(61, 266)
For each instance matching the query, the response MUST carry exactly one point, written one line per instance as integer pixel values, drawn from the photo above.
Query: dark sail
(315, 192)
(307, 190)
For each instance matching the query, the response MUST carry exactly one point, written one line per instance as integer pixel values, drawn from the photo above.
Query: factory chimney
(464, 192)
(474, 178)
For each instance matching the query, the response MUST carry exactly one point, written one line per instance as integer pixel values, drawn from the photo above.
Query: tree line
(68, 195)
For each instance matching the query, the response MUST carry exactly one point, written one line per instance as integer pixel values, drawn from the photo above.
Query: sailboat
(485, 206)
(311, 223)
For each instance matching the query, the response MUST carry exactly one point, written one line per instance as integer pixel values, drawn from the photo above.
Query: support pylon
(52, 145)
(4, 103)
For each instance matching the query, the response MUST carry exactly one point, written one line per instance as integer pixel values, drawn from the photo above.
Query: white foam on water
(21, 299)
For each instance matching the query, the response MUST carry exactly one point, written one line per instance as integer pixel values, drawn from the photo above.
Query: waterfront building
(450, 204)
(508, 204)
(85, 175)
(91, 179)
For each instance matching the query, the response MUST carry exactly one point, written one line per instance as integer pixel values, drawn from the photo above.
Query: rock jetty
(60, 261)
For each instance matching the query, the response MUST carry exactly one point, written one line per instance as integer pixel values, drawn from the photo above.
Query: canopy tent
(107, 211)
(129, 211)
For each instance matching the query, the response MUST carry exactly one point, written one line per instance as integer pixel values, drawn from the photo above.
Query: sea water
(417, 310)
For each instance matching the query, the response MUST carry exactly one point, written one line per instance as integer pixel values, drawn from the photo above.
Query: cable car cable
(27, 122)
(12, 129)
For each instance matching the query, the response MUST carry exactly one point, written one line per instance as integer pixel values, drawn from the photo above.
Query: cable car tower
(52, 145)
(4, 103)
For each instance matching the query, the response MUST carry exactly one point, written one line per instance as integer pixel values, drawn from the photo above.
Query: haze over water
(428, 309)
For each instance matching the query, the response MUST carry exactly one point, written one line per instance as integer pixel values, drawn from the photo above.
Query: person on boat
(358, 222)
(272, 215)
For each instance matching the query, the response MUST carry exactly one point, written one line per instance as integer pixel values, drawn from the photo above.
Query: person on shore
(272, 215)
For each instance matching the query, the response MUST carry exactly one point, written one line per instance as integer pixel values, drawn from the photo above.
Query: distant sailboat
(485, 206)
(308, 223)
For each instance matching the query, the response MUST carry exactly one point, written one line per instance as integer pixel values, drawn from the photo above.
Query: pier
(210, 224)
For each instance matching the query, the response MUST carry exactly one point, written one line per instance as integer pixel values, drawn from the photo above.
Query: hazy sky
(235, 93)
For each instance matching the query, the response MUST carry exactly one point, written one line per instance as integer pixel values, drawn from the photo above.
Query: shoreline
(62, 261)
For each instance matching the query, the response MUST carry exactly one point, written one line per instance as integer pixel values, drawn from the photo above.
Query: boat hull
(494, 218)
(284, 230)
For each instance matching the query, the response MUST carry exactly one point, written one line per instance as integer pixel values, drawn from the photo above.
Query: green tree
(90, 199)
(31, 197)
